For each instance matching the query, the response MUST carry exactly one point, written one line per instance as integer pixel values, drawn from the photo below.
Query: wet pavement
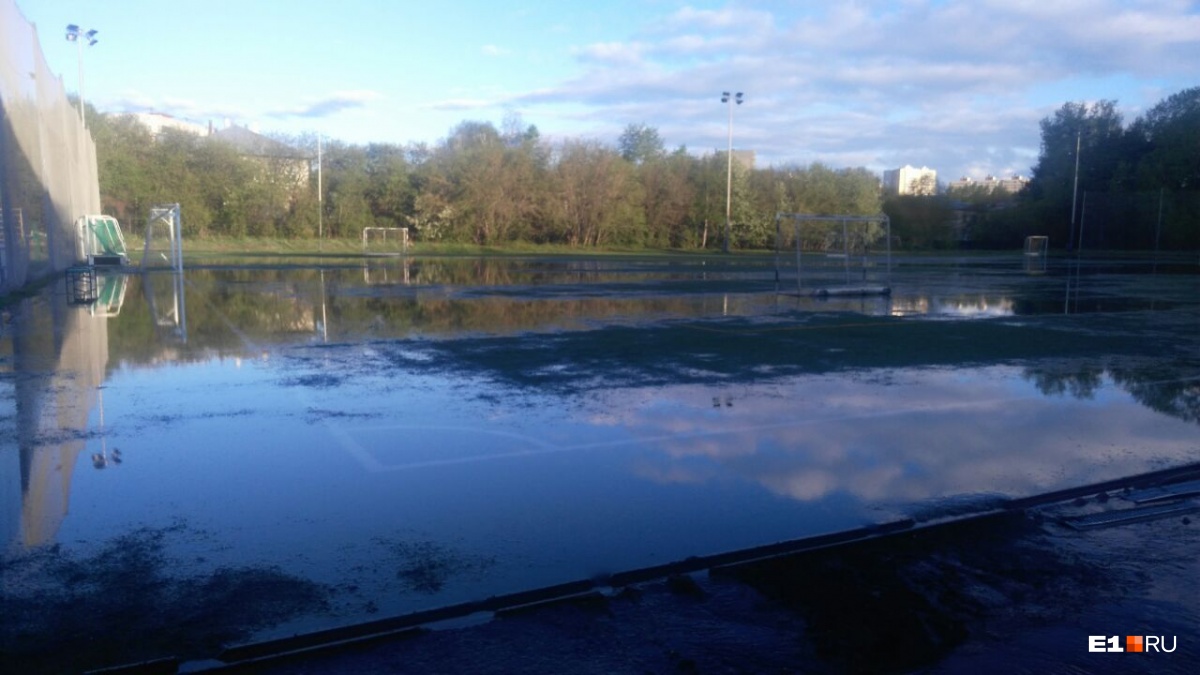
(335, 441)
(1012, 592)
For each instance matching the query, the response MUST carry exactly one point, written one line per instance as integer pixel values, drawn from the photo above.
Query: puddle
(402, 447)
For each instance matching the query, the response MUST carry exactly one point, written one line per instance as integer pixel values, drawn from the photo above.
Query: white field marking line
(344, 441)
(375, 466)
(548, 449)
(372, 465)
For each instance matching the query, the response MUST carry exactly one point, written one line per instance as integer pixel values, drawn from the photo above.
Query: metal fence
(47, 159)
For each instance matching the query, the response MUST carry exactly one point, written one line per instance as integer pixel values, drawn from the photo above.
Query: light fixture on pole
(79, 36)
(730, 101)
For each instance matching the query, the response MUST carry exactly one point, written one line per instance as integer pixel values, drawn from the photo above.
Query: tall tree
(667, 198)
(594, 202)
(1098, 129)
(1169, 136)
(640, 143)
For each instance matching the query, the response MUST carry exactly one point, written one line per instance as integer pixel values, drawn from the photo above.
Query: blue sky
(956, 85)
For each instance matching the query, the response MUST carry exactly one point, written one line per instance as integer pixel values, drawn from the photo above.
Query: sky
(955, 85)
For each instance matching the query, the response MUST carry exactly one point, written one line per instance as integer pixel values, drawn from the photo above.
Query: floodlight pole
(78, 36)
(1075, 194)
(320, 198)
(730, 101)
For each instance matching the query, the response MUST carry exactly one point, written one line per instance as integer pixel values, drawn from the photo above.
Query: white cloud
(463, 104)
(493, 50)
(610, 53)
(330, 104)
(175, 106)
(729, 18)
(956, 85)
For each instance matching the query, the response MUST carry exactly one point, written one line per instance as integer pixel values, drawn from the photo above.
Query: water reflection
(304, 419)
(909, 437)
(56, 371)
(166, 299)
(959, 308)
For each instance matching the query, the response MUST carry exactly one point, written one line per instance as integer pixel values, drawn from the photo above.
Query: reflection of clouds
(961, 307)
(805, 486)
(935, 434)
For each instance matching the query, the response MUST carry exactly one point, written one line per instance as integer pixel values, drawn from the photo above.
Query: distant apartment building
(744, 159)
(278, 161)
(157, 122)
(909, 180)
(1011, 185)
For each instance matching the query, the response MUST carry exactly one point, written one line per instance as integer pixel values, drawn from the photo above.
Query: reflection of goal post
(1037, 246)
(385, 240)
(835, 255)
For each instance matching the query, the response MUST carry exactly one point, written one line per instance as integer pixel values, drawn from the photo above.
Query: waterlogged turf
(346, 440)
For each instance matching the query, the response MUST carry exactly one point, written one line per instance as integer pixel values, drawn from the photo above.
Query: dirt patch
(122, 604)
(426, 566)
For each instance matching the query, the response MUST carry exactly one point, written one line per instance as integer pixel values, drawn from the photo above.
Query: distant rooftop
(250, 143)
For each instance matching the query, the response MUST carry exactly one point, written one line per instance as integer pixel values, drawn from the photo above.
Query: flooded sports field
(265, 446)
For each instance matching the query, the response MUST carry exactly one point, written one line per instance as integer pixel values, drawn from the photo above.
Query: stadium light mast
(730, 101)
(79, 36)
(320, 199)
(1075, 193)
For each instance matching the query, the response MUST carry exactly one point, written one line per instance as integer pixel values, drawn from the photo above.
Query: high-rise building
(990, 184)
(909, 180)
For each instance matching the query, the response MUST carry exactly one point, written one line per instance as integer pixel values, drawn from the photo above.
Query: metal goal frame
(837, 229)
(403, 232)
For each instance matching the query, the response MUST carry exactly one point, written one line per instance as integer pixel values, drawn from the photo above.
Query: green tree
(920, 221)
(667, 198)
(594, 197)
(1168, 137)
(346, 183)
(1098, 128)
(640, 143)
(389, 184)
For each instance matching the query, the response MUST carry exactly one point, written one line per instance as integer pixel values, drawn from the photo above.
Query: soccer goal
(163, 243)
(1037, 246)
(834, 255)
(385, 240)
(99, 241)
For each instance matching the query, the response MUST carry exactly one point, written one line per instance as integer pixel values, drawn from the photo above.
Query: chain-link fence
(47, 159)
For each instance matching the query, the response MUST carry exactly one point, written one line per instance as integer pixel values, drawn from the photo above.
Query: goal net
(163, 242)
(385, 240)
(1037, 246)
(834, 255)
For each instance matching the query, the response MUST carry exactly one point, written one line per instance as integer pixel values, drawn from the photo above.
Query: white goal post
(835, 255)
(385, 240)
(163, 241)
(1037, 246)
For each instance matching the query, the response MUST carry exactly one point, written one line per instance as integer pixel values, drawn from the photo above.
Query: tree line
(1101, 183)
(481, 184)
(1138, 187)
